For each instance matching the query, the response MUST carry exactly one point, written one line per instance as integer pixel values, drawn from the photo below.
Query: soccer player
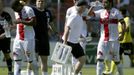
(24, 42)
(126, 45)
(73, 26)
(5, 18)
(108, 46)
(43, 19)
(121, 5)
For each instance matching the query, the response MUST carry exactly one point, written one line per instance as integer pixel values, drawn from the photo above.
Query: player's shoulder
(47, 10)
(114, 9)
(33, 7)
(27, 8)
(71, 8)
(74, 16)
(100, 10)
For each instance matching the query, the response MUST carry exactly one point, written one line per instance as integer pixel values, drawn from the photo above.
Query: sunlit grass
(85, 71)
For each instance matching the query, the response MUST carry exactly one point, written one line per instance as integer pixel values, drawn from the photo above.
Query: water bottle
(7, 29)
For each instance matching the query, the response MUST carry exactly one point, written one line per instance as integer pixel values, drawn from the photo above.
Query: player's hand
(2, 36)
(6, 26)
(64, 42)
(84, 18)
(121, 37)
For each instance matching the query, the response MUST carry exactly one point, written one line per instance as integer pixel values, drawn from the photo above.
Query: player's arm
(30, 22)
(2, 36)
(123, 28)
(66, 28)
(51, 25)
(91, 12)
(66, 33)
(31, 19)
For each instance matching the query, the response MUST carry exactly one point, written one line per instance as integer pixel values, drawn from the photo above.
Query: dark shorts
(77, 50)
(126, 48)
(42, 47)
(5, 45)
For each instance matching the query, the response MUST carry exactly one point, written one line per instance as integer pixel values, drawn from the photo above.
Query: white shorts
(22, 46)
(108, 50)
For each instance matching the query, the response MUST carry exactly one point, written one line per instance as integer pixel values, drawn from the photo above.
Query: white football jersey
(109, 23)
(25, 31)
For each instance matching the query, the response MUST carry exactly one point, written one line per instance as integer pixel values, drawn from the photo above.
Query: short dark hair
(15, 4)
(81, 2)
(110, 1)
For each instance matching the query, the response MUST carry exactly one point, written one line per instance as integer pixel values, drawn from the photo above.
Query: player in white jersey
(108, 46)
(24, 42)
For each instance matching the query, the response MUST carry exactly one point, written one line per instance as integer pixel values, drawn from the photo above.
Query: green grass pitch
(86, 71)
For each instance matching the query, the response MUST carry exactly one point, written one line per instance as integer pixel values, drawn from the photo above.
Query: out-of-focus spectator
(7, 2)
(122, 3)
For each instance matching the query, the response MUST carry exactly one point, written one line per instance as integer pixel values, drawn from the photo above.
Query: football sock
(17, 68)
(107, 65)
(113, 67)
(9, 64)
(120, 69)
(44, 73)
(99, 67)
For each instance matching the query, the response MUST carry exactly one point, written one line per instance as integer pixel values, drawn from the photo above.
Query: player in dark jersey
(5, 41)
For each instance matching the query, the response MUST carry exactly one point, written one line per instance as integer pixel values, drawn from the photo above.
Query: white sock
(99, 67)
(29, 72)
(80, 73)
(44, 73)
(35, 67)
(17, 68)
(75, 74)
(120, 69)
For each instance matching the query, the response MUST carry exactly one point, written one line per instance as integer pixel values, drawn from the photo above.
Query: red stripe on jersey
(21, 31)
(106, 31)
(111, 21)
(106, 28)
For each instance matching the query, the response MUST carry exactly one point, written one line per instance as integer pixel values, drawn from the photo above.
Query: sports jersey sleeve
(50, 15)
(119, 15)
(30, 12)
(68, 13)
(70, 21)
(97, 13)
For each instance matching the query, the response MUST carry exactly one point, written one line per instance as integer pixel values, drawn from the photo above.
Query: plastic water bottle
(7, 29)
